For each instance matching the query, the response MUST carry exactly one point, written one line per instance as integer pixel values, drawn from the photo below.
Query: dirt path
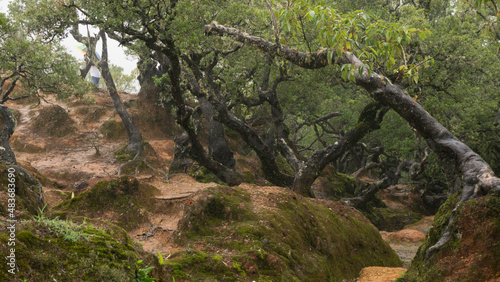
(157, 236)
(405, 243)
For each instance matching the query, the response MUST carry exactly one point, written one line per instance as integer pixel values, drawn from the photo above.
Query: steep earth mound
(473, 252)
(242, 233)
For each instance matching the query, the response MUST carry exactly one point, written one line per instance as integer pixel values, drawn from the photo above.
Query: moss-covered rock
(113, 130)
(124, 202)
(472, 253)
(250, 169)
(388, 219)
(28, 194)
(54, 121)
(332, 185)
(232, 235)
(100, 254)
(17, 114)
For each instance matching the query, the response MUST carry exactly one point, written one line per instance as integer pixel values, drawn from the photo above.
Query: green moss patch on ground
(99, 254)
(123, 201)
(202, 174)
(283, 237)
(473, 252)
(54, 121)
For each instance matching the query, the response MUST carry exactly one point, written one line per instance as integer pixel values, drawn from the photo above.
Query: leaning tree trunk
(6, 154)
(217, 143)
(134, 135)
(85, 70)
(477, 176)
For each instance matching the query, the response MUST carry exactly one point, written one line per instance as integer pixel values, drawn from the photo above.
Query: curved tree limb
(369, 120)
(477, 176)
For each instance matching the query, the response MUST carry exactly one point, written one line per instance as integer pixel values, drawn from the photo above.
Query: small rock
(81, 185)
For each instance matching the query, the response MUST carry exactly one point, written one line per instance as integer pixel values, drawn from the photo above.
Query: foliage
(378, 43)
(37, 65)
(68, 230)
(143, 273)
(124, 82)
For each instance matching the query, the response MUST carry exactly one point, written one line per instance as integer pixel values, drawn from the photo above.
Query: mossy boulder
(113, 130)
(54, 121)
(202, 174)
(240, 234)
(17, 114)
(388, 219)
(20, 145)
(472, 253)
(332, 185)
(124, 202)
(99, 254)
(28, 192)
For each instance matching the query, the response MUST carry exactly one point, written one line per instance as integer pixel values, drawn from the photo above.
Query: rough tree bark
(85, 70)
(223, 115)
(477, 176)
(184, 112)
(218, 147)
(7, 156)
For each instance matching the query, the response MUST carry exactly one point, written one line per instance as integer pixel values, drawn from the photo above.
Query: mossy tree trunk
(477, 176)
(6, 154)
(217, 143)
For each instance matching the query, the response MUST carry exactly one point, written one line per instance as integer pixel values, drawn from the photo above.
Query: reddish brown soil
(72, 163)
(380, 274)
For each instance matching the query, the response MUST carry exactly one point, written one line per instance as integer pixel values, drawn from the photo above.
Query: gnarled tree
(477, 176)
